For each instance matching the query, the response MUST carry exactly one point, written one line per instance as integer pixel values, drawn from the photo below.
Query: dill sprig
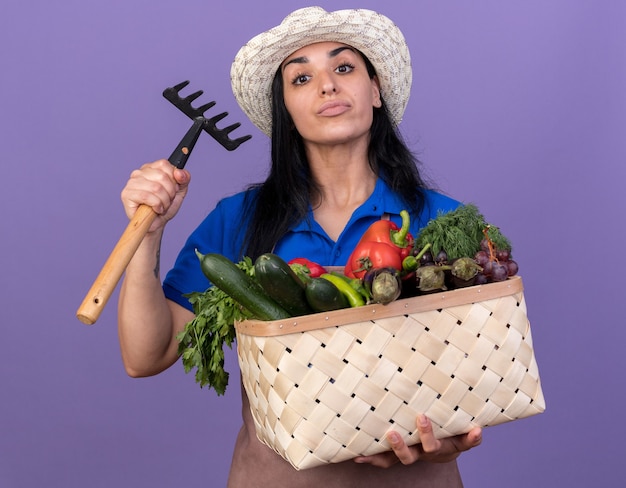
(459, 232)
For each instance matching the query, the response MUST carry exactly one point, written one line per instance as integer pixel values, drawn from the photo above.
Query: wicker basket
(325, 388)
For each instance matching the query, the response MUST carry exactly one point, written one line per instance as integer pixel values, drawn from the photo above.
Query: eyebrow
(331, 54)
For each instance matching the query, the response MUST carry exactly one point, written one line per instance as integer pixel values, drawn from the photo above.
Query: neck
(343, 175)
(345, 180)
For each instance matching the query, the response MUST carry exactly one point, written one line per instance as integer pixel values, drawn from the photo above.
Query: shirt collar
(381, 201)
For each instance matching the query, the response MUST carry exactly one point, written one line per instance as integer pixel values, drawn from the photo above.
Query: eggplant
(383, 284)
(431, 279)
(463, 271)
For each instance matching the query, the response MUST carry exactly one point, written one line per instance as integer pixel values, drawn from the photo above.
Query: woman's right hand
(147, 322)
(160, 185)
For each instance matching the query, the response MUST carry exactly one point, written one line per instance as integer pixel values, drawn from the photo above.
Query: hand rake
(110, 274)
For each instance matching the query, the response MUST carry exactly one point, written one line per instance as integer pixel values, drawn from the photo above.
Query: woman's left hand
(430, 449)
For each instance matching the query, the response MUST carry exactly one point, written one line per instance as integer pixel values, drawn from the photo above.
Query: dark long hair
(283, 199)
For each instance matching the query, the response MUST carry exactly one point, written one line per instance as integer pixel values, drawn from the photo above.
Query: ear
(376, 92)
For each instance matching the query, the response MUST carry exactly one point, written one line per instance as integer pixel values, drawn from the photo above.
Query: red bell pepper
(388, 232)
(382, 245)
(314, 270)
(369, 255)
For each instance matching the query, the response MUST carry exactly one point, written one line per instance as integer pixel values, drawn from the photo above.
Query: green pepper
(355, 283)
(354, 297)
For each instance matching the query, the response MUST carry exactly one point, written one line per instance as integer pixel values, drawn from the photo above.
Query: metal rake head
(184, 104)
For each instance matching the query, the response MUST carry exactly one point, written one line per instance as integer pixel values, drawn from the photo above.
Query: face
(329, 93)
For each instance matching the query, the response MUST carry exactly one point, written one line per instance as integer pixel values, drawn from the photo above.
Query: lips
(333, 108)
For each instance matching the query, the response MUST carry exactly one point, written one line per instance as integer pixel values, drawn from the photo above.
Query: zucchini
(225, 275)
(281, 283)
(324, 296)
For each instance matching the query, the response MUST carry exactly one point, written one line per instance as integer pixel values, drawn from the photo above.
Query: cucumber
(324, 296)
(281, 283)
(225, 274)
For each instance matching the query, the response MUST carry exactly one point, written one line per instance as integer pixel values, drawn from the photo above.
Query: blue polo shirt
(222, 231)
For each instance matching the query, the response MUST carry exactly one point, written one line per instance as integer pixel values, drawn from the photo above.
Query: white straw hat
(375, 35)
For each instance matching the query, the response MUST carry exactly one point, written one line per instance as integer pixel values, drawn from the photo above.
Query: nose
(327, 85)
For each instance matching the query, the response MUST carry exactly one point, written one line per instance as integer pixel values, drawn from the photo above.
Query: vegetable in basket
(355, 283)
(459, 233)
(463, 271)
(430, 279)
(355, 299)
(437, 277)
(311, 268)
(281, 283)
(465, 247)
(201, 343)
(382, 245)
(386, 231)
(324, 296)
(224, 274)
(371, 254)
(383, 284)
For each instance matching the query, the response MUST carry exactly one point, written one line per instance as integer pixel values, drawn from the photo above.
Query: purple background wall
(519, 107)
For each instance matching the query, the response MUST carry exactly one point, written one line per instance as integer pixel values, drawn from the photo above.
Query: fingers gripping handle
(122, 253)
(110, 274)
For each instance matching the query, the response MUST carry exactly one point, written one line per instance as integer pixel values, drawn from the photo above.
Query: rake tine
(193, 96)
(216, 118)
(232, 144)
(180, 86)
(231, 128)
(222, 135)
(184, 104)
(203, 108)
(172, 94)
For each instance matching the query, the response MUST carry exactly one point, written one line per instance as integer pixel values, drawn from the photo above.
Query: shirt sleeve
(220, 232)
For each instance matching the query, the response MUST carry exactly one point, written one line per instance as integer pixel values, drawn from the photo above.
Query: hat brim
(375, 35)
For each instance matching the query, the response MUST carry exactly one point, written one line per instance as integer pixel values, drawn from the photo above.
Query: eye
(300, 79)
(344, 68)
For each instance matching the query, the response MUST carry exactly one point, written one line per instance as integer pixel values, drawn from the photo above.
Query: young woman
(329, 88)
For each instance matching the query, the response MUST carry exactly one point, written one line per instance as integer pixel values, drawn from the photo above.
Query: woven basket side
(330, 394)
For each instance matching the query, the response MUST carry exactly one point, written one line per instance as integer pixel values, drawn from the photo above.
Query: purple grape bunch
(497, 264)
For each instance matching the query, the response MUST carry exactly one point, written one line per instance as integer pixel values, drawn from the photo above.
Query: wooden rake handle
(110, 274)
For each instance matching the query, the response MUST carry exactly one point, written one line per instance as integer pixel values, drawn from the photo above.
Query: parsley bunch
(201, 343)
